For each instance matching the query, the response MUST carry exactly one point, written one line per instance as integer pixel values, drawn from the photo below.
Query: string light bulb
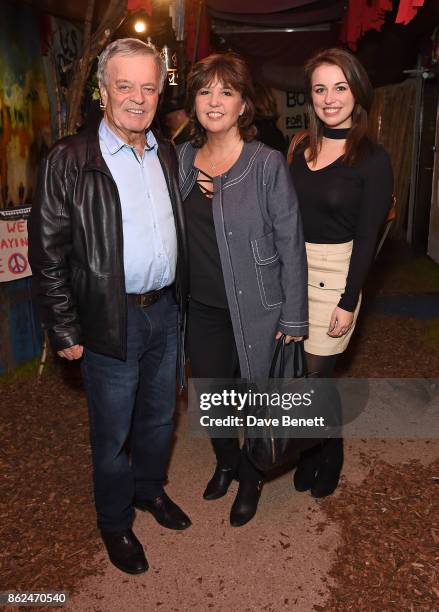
(140, 26)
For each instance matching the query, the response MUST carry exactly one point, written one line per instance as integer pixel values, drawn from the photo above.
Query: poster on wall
(292, 110)
(13, 244)
(25, 133)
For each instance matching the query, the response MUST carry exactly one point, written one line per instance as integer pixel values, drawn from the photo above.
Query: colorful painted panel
(24, 107)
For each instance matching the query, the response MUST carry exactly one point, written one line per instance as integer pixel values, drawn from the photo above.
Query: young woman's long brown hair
(358, 142)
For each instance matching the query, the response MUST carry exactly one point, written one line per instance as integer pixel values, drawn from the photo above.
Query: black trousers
(212, 353)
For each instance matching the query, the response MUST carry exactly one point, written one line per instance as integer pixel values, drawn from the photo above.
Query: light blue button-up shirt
(149, 237)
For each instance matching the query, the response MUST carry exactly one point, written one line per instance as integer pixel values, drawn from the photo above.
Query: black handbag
(268, 450)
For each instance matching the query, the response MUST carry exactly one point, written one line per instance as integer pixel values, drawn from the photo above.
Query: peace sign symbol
(17, 263)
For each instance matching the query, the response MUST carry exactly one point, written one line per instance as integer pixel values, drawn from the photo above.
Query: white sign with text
(13, 250)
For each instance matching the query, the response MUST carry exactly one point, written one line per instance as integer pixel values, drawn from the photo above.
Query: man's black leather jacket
(76, 245)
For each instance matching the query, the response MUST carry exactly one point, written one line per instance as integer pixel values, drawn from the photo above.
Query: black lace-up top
(206, 275)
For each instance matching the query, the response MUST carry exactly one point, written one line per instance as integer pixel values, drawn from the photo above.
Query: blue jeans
(131, 406)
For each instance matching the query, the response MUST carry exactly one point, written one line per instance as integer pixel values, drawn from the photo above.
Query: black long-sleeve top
(205, 271)
(340, 203)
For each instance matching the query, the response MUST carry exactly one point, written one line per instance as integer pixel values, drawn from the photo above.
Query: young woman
(246, 251)
(344, 183)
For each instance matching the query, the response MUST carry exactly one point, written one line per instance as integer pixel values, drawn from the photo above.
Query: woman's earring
(102, 106)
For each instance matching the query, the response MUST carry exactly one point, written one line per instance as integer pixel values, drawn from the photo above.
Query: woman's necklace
(214, 166)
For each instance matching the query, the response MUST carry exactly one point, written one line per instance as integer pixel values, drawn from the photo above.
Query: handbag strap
(300, 368)
(279, 350)
(295, 141)
(298, 359)
(391, 215)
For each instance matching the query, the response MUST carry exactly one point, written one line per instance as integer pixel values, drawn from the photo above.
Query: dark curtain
(323, 11)
(257, 6)
(276, 58)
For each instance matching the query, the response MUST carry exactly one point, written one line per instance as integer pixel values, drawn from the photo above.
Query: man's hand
(289, 339)
(72, 353)
(341, 322)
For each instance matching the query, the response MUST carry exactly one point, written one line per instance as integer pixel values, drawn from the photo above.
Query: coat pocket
(267, 268)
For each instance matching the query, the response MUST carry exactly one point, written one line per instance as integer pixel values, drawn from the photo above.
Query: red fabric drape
(407, 10)
(140, 5)
(191, 17)
(363, 15)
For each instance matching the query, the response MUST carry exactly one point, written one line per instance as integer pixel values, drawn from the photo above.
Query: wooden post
(81, 70)
(92, 45)
(5, 344)
(197, 32)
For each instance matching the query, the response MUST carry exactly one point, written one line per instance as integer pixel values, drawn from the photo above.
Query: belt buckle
(150, 298)
(144, 300)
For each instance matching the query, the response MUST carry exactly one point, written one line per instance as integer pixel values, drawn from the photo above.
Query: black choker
(335, 133)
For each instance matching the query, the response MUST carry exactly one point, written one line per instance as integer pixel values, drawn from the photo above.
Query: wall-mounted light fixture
(170, 59)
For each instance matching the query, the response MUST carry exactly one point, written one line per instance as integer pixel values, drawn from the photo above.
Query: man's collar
(114, 143)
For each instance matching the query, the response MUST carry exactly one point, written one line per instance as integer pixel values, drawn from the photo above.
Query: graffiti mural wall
(25, 132)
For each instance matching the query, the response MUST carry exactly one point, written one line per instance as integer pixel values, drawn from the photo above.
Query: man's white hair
(129, 46)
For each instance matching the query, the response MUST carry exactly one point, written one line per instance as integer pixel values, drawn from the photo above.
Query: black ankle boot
(329, 468)
(306, 471)
(219, 484)
(246, 502)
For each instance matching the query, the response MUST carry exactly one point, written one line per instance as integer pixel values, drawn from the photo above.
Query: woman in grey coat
(246, 251)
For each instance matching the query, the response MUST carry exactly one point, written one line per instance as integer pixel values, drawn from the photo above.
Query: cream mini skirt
(328, 266)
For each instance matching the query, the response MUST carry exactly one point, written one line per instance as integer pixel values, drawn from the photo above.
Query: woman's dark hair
(265, 102)
(231, 70)
(358, 143)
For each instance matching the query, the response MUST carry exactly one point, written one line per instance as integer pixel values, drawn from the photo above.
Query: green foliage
(420, 275)
(24, 371)
(426, 273)
(91, 86)
(431, 336)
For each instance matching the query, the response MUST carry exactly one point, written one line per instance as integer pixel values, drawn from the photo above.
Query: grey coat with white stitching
(262, 251)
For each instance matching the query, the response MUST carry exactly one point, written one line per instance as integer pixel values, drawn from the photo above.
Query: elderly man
(107, 249)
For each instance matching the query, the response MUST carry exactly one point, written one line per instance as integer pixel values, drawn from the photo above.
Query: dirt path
(279, 561)
(339, 554)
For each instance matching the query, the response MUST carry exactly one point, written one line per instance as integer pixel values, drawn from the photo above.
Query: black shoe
(219, 484)
(329, 468)
(125, 551)
(246, 502)
(306, 471)
(165, 511)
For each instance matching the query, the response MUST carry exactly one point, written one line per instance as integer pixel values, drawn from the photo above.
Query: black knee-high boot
(306, 471)
(329, 466)
(319, 468)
